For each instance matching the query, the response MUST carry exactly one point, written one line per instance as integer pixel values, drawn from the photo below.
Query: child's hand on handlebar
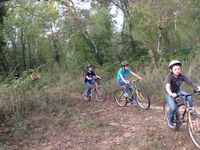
(198, 88)
(98, 77)
(140, 78)
(173, 95)
(127, 82)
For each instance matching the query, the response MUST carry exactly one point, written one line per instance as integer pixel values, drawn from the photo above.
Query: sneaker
(132, 101)
(125, 94)
(88, 98)
(170, 124)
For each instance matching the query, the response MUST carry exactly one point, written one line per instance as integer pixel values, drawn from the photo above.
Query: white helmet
(174, 62)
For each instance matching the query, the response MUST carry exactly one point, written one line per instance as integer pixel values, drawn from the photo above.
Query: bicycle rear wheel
(119, 97)
(100, 94)
(84, 94)
(142, 99)
(193, 125)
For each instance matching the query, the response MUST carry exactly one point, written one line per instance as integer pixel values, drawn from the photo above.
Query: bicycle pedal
(178, 125)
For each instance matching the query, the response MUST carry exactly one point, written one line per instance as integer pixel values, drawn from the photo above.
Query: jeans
(127, 86)
(172, 104)
(89, 87)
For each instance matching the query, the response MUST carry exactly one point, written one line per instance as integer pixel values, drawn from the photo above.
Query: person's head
(175, 67)
(89, 67)
(124, 65)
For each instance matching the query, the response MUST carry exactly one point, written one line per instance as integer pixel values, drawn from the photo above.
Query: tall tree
(3, 60)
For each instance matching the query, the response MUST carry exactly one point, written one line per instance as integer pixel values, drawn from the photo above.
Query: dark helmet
(89, 65)
(174, 62)
(124, 63)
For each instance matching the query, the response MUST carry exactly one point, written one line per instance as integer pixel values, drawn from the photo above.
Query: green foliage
(23, 97)
(44, 32)
(66, 38)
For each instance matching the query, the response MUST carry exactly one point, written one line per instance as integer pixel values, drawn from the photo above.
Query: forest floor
(93, 125)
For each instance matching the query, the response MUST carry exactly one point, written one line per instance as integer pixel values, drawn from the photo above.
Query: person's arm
(125, 81)
(189, 82)
(135, 75)
(98, 76)
(88, 78)
(168, 89)
(198, 88)
(95, 75)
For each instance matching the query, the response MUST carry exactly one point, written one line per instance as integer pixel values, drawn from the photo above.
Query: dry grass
(53, 105)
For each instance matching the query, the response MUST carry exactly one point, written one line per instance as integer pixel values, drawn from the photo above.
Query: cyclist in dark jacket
(89, 79)
(172, 88)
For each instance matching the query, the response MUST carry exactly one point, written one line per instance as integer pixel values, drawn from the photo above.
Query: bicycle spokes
(194, 121)
(100, 93)
(142, 99)
(119, 97)
(139, 96)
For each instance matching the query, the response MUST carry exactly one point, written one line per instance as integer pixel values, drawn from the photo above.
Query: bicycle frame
(181, 118)
(133, 87)
(95, 87)
(187, 110)
(98, 91)
(136, 96)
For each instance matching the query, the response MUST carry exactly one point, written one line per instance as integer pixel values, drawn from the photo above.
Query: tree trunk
(160, 28)
(55, 46)
(37, 60)
(82, 28)
(23, 50)
(4, 61)
(128, 19)
(30, 56)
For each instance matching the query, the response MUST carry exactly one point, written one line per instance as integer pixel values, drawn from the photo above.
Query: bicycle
(97, 90)
(139, 95)
(192, 117)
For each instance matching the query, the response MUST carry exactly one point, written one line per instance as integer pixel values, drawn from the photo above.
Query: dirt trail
(105, 126)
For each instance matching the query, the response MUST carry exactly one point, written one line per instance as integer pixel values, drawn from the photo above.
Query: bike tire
(101, 94)
(119, 97)
(142, 99)
(193, 129)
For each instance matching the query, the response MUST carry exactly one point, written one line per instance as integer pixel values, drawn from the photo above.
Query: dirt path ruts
(105, 126)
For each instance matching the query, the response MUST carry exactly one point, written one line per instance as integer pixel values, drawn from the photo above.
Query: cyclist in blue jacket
(122, 78)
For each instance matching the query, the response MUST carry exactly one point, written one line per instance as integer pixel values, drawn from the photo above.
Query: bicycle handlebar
(134, 81)
(187, 95)
(95, 78)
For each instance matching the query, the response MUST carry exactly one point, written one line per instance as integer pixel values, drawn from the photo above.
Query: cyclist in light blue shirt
(122, 74)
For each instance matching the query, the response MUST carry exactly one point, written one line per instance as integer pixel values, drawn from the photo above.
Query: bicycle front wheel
(142, 99)
(193, 125)
(119, 97)
(100, 94)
